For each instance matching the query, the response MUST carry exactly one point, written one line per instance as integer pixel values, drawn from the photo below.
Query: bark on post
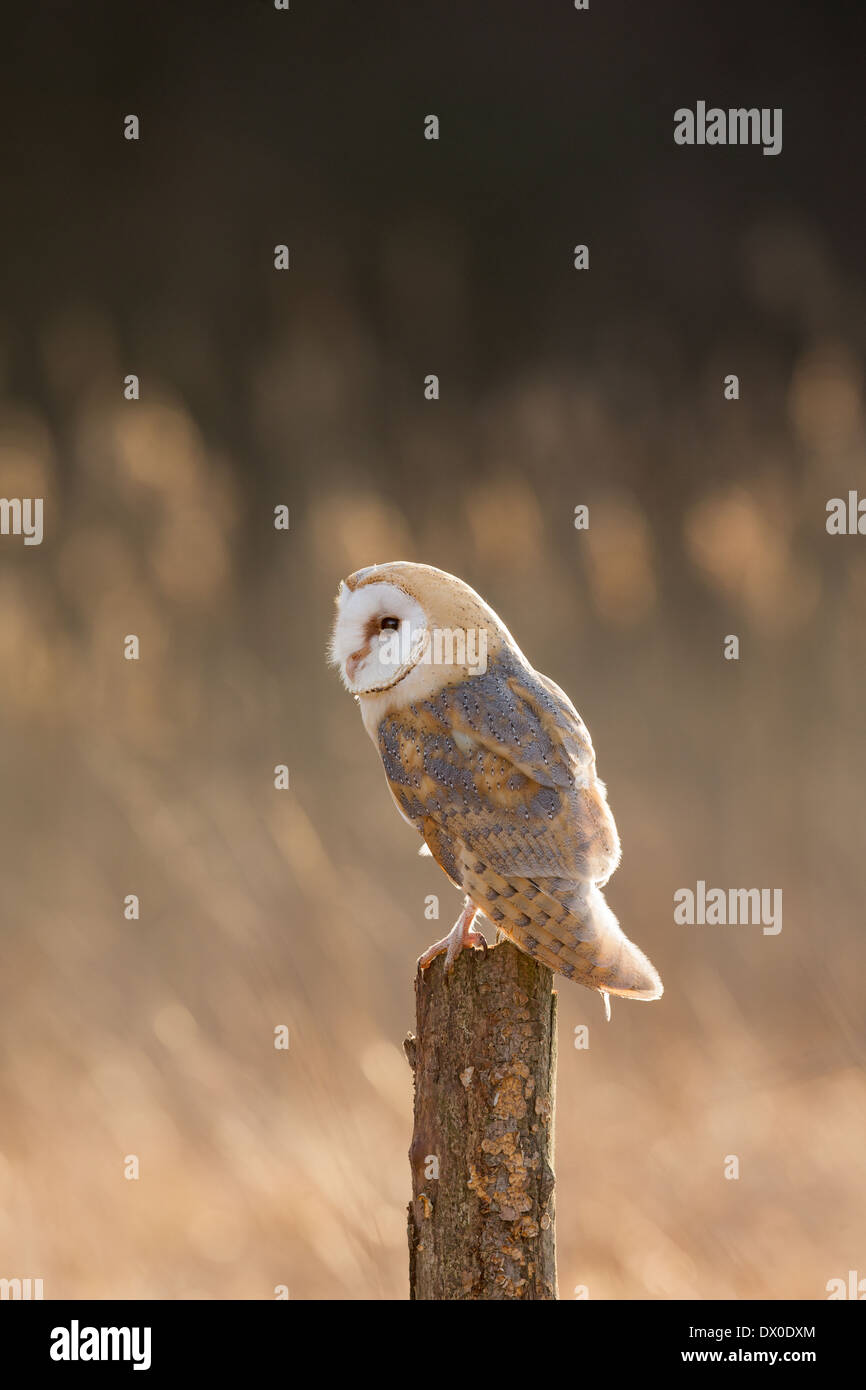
(484, 1058)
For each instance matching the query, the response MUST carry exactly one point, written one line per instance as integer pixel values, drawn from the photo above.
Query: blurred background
(707, 517)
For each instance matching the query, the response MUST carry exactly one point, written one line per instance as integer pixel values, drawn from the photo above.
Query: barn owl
(492, 764)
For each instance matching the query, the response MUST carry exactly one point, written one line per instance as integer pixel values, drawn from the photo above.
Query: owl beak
(352, 664)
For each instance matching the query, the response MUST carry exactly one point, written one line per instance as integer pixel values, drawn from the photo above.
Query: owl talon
(461, 935)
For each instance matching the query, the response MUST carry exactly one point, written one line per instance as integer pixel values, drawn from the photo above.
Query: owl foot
(461, 935)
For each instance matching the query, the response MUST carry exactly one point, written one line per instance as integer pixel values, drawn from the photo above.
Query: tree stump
(481, 1219)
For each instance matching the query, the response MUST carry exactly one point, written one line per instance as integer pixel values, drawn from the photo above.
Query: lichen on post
(481, 1219)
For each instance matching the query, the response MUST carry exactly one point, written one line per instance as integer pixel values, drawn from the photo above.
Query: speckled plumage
(496, 770)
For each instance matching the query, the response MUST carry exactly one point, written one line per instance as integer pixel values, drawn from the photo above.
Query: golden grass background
(306, 907)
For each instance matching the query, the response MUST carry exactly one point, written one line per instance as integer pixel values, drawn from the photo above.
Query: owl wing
(498, 774)
(505, 763)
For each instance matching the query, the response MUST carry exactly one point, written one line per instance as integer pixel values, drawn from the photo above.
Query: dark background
(154, 1037)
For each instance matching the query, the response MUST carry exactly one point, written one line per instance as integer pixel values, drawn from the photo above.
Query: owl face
(402, 630)
(379, 635)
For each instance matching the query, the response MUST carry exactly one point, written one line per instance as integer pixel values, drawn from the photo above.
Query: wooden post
(481, 1219)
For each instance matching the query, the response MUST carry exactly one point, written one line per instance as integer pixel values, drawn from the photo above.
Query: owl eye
(389, 625)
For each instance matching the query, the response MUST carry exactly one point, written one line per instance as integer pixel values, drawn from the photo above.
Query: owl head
(409, 629)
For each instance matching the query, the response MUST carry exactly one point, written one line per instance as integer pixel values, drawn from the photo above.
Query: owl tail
(570, 928)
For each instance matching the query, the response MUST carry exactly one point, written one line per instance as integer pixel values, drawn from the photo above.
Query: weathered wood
(484, 1058)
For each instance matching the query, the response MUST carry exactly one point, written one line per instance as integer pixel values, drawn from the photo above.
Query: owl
(493, 766)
